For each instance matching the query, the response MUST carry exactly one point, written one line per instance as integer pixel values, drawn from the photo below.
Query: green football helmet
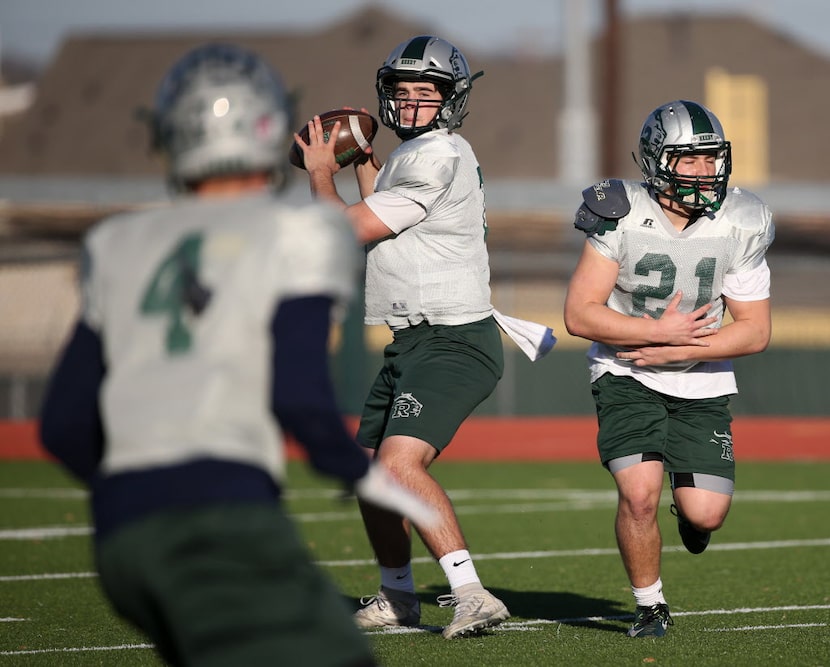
(684, 127)
(432, 59)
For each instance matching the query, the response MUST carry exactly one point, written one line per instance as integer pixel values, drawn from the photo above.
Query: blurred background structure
(553, 113)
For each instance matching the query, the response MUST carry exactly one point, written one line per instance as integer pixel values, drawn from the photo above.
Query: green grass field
(542, 537)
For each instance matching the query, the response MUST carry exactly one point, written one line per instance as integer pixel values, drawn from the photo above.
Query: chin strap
(685, 192)
(714, 205)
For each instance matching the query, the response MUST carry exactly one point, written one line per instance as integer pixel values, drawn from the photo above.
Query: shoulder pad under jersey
(602, 205)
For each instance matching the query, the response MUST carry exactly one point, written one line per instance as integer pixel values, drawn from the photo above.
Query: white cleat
(388, 608)
(473, 612)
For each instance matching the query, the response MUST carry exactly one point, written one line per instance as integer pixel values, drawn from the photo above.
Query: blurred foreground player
(664, 260)
(203, 335)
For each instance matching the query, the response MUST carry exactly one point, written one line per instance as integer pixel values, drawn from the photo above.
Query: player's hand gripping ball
(357, 129)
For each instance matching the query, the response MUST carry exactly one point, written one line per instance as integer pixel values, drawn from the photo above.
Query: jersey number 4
(175, 292)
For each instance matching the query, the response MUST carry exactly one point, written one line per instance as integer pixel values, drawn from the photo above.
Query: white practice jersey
(438, 269)
(183, 298)
(656, 261)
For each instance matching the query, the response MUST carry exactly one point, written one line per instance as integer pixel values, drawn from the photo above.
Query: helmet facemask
(680, 129)
(392, 107)
(695, 192)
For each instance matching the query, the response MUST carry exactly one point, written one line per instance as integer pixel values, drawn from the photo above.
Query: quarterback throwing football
(427, 277)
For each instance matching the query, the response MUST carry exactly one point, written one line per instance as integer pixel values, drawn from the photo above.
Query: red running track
(546, 439)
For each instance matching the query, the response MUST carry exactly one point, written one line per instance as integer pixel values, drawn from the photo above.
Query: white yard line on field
(48, 576)
(45, 494)
(537, 623)
(564, 553)
(79, 649)
(462, 495)
(44, 533)
(517, 626)
(767, 627)
(508, 555)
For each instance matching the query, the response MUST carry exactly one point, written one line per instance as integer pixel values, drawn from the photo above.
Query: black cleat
(694, 540)
(653, 621)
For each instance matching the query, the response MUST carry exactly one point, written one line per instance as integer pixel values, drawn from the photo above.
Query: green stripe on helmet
(701, 124)
(416, 47)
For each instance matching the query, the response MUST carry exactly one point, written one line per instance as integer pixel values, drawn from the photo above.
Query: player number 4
(175, 292)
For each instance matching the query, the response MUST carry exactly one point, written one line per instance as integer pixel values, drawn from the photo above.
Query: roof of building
(83, 122)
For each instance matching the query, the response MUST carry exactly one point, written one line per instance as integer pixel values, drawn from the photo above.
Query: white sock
(459, 568)
(398, 578)
(649, 595)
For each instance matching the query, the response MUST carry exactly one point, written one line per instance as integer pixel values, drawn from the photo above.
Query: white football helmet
(684, 127)
(425, 58)
(221, 110)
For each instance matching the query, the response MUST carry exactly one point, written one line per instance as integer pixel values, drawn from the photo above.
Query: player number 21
(704, 272)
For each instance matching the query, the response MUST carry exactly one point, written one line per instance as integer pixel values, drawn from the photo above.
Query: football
(357, 129)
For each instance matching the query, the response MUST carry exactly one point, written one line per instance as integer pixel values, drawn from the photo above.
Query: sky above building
(34, 29)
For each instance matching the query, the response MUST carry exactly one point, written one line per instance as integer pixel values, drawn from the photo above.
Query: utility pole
(577, 124)
(610, 103)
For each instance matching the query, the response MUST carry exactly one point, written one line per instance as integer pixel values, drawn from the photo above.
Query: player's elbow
(573, 327)
(761, 343)
(763, 335)
(575, 324)
(758, 341)
(367, 226)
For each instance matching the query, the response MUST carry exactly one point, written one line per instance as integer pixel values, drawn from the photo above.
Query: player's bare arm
(321, 165)
(748, 333)
(367, 226)
(366, 170)
(587, 316)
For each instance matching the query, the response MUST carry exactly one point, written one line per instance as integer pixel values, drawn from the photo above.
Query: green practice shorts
(692, 437)
(432, 378)
(228, 585)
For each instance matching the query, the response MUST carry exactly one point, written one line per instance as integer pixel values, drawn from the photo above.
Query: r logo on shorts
(405, 405)
(433, 377)
(725, 442)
